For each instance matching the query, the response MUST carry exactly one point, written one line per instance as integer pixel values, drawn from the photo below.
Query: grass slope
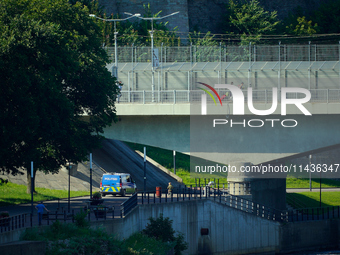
(165, 158)
(312, 199)
(11, 194)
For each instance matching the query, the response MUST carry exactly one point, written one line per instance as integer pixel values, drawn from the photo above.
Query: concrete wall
(11, 236)
(23, 247)
(309, 235)
(230, 231)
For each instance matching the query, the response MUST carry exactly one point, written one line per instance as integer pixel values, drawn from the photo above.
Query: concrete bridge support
(270, 192)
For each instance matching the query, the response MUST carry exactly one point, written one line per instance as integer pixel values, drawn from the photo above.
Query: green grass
(304, 183)
(165, 158)
(12, 194)
(312, 199)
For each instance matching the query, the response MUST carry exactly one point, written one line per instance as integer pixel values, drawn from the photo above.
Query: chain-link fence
(194, 96)
(310, 52)
(258, 66)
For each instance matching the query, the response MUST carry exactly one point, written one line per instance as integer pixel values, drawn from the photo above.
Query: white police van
(117, 183)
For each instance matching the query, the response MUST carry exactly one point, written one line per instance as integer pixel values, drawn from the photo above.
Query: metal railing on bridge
(225, 53)
(194, 96)
(240, 203)
(181, 194)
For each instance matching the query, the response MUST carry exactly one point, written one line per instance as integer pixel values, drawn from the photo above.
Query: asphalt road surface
(116, 156)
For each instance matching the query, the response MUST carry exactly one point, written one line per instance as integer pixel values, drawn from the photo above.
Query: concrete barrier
(298, 236)
(24, 247)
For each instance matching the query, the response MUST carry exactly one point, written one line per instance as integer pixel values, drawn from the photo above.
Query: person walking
(40, 207)
(170, 188)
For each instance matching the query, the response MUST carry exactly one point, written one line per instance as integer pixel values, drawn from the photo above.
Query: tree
(301, 27)
(56, 93)
(250, 20)
(161, 229)
(327, 17)
(137, 31)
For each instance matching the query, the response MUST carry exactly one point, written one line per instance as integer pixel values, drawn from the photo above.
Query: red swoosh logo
(213, 90)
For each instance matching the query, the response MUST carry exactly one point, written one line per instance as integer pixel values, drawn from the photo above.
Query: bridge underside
(195, 135)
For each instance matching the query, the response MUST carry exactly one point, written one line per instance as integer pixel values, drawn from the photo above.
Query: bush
(70, 239)
(140, 244)
(161, 229)
(80, 220)
(4, 214)
(97, 195)
(2, 181)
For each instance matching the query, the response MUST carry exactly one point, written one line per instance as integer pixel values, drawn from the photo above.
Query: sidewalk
(294, 190)
(60, 181)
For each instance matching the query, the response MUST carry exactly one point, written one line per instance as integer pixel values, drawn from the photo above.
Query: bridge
(161, 105)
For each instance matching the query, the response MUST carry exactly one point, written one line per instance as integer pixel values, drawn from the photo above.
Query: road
(116, 156)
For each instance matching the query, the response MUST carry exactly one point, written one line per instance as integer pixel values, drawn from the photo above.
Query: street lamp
(152, 53)
(115, 36)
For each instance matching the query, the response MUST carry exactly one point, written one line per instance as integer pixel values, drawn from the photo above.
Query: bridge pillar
(266, 191)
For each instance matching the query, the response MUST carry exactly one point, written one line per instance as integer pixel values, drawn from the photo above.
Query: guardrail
(318, 213)
(194, 96)
(15, 222)
(241, 203)
(180, 194)
(128, 205)
(218, 195)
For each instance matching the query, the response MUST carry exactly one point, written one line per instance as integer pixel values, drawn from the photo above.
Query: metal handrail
(194, 96)
(129, 204)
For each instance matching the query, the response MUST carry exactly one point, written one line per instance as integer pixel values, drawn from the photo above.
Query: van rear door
(111, 183)
(128, 184)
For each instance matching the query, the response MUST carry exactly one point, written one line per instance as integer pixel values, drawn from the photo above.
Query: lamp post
(69, 186)
(32, 180)
(152, 50)
(115, 36)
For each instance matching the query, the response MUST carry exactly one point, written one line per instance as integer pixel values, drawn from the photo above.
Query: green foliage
(327, 17)
(302, 27)
(136, 32)
(161, 229)
(52, 70)
(3, 182)
(250, 20)
(198, 39)
(139, 244)
(92, 6)
(97, 195)
(80, 220)
(31, 234)
(72, 239)
(4, 214)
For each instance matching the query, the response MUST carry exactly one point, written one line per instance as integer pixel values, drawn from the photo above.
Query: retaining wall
(230, 231)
